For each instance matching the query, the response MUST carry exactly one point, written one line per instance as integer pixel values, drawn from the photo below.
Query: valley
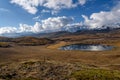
(29, 52)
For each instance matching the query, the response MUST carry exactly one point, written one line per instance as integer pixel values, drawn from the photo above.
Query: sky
(44, 16)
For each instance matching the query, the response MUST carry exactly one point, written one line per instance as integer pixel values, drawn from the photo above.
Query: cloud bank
(97, 20)
(55, 5)
(48, 25)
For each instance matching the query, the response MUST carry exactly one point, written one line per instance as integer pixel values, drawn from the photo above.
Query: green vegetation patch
(96, 74)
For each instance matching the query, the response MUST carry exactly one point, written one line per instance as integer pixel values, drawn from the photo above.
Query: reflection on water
(86, 47)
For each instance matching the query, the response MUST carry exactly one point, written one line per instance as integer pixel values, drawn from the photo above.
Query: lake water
(86, 47)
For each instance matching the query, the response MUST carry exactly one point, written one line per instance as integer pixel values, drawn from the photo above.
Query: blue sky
(16, 15)
(26, 14)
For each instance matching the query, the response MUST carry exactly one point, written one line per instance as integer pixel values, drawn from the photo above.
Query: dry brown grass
(102, 59)
(35, 70)
(52, 70)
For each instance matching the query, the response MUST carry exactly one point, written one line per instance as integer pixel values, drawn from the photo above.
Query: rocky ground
(51, 70)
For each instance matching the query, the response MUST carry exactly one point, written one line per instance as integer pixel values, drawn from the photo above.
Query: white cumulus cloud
(7, 30)
(31, 5)
(97, 20)
(56, 23)
(82, 2)
(51, 24)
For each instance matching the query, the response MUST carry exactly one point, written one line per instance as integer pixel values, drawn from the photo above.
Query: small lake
(87, 47)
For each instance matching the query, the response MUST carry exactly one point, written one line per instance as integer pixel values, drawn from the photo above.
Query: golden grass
(57, 45)
(117, 43)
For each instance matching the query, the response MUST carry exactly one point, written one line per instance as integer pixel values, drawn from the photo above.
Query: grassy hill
(32, 41)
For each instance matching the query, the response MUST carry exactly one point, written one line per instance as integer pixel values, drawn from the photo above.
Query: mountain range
(76, 30)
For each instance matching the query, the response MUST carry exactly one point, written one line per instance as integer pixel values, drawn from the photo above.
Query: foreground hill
(51, 70)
